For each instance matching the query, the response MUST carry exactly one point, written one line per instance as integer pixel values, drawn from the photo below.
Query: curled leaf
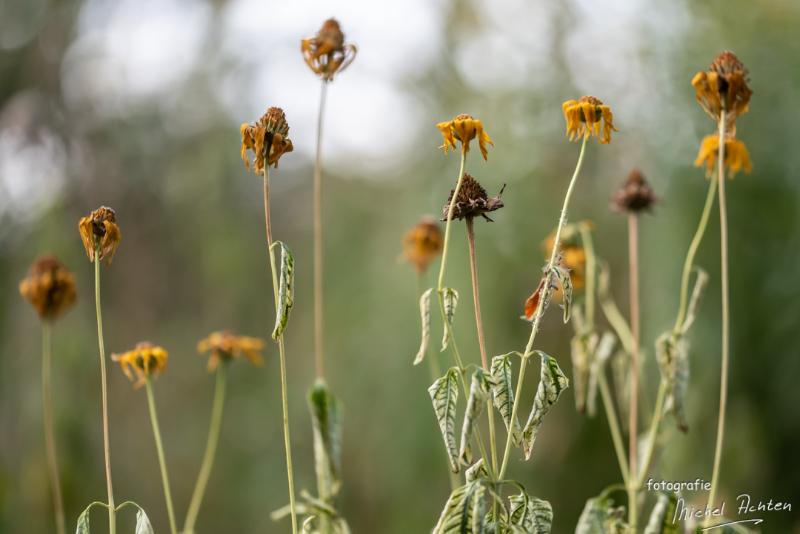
(672, 355)
(444, 395)
(425, 316)
(551, 384)
(463, 512)
(661, 518)
(700, 283)
(564, 280)
(530, 514)
(327, 432)
(285, 290)
(503, 393)
(450, 301)
(479, 390)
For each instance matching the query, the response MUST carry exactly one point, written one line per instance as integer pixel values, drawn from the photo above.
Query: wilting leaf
(285, 290)
(700, 284)
(599, 516)
(662, 515)
(672, 354)
(83, 522)
(479, 390)
(476, 471)
(530, 514)
(143, 525)
(503, 390)
(464, 510)
(444, 394)
(551, 384)
(327, 429)
(620, 368)
(565, 282)
(600, 357)
(582, 347)
(541, 296)
(425, 315)
(450, 301)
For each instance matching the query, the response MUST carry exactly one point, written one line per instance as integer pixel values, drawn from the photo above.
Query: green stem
(287, 442)
(652, 433)
(49, 431)
(319, 361)
(162, 462)
(211, 449)
(613, 425)
(591, 273)
(633, 396)
(112, 517)
(540, 309)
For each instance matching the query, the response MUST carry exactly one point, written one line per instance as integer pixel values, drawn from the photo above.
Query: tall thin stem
(319, 361)
(613, 425)
(633, 421)
(162, 462)
(112, 517)
(287, 442)
(211, 449)
(540, 309)
(652, 434)
(49, 430)
(723, 386)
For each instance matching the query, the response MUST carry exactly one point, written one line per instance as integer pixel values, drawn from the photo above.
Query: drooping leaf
(661, 518)
(479, 390)
(450, 301)
(620, 369)
(582, 347)
(530, 514)
(476, 471)
(143, 525)
(503, 393)
(551, 384)
(600, 357)
(672, 355)
(425, 316)
(564, 280)
(83, 519)
(541, 296)
(463, 513)
(599, 516)
(285, 290)
(327, 431)
(444, 395)
(700, 283)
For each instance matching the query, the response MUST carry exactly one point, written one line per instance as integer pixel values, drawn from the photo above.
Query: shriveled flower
(225, 346)
(723, 84)
(737, 158)
(423, 243)
(326, 53)
(588, 116)
(143, 361)
(49, 287)
(472, 201)
(100, 234)
(267, 138)
(464, 128)
(634, 195)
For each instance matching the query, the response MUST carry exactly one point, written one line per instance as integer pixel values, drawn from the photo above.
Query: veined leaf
(600, 357)
(479, 390)
(564, 280)
(503, 393)
(463, 512)
(425, 316)
(327, 429)
(476, 471)
(444, 394)
(531, 514)
(551, 384)
(672, 354)
(450, 301)
(700, 284)
(143, 525)
(662, 515)
(285, 290)
(599, 516)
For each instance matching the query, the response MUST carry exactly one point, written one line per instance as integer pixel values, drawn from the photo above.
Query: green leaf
(700, 283)
(476, 471)
(503, 392)
(83, 519)
(582, 347)
(662, 515)
(479, 390)
(599, 516)
(600, 357)
(564, 280)
(425, 316)
(327, 429)
(531, 514)
(143, 525)
(450, 301)
(444, 394)
(551, 384)
(672, 355)
(285, 290)
(464, 511)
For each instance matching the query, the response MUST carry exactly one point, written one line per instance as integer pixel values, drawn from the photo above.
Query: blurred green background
(137, 105)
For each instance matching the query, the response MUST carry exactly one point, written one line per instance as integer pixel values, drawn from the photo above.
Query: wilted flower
(225, 346)
(100, 234)
(723, 84)
(634, 195)
(326, 53)
(267, 138)
(472, 201)
(423, 243)
(49, 287)
(737, 157)
(144, 360)
(586, 116)
(464, 128)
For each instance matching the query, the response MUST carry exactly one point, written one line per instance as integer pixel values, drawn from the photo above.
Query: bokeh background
(136, 104)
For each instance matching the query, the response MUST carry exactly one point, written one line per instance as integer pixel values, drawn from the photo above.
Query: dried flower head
(737, 158)
(724, 84)
(472, 201)
(143, 361)
(225, 346)
(423, 243)
(326, 53)
(634, 195)
(588, 116)
(267, 138)
(464, 128)
(49, 287)
(100, 234)
(572, 255)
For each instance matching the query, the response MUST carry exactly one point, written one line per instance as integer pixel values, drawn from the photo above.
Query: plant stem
(652, 433)
(284, 397)
(162, 462)
(723, 386)
(591, 273)
(633, 396)
(540, 309)
(613, 425)
(319, 362)
(49, 431)
(211, 449)
(112, 517)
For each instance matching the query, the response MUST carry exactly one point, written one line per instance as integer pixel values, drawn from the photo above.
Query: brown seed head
(634, 195)
(326, 53)
(143, 361)
(267, 139)
(724, 84)
(423, 243)
(472, 200)
(49, 287)
(100, 234)
(225, 346)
